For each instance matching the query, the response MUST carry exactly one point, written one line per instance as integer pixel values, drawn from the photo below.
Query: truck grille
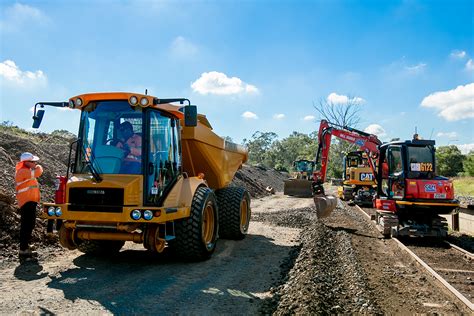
(96, 200)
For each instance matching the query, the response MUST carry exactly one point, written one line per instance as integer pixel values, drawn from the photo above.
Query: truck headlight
(133, 100)
(144, 101)
(58, 211)
(147, 215)
(136, 214)
(51, 211)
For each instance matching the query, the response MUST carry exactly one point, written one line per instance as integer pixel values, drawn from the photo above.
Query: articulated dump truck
(147, 171)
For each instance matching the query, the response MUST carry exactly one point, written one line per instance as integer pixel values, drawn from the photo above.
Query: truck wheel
(100, 247)
(234, 212)
(66, 238)
(196, 236)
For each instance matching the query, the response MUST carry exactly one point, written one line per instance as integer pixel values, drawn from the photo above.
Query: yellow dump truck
(147, 171)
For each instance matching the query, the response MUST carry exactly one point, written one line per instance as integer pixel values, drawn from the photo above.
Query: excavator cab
(407, 185)
(299, 184)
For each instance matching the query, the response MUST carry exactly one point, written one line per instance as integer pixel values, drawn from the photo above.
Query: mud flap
(325, 204)
(298, 187)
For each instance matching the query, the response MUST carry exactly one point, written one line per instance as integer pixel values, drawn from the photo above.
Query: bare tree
(345, 114)
(342, 114)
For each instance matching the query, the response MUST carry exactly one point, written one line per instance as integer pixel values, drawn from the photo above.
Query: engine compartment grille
(96, 199)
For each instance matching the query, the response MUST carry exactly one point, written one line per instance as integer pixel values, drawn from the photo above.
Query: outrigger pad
(325, 204)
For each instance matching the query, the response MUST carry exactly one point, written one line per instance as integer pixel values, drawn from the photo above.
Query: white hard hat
(28, 157)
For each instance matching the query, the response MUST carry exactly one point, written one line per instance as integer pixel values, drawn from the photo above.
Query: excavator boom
(369, 143)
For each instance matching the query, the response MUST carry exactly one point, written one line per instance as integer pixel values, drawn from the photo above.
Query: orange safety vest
(27, 187)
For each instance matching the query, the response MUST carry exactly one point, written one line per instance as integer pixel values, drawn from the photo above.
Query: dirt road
(234, 281)
(290, 263)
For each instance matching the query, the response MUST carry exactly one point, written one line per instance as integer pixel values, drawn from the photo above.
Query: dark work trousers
(28, 220)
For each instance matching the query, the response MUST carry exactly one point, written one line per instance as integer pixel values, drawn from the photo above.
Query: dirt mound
(257, 179)
(53, 150)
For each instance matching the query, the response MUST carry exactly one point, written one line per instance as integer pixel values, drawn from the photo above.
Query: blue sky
(249, 65)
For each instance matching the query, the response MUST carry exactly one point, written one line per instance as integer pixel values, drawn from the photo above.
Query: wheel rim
(208, 224)
(244, 214)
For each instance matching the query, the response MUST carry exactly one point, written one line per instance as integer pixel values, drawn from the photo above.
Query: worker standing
(28, 196)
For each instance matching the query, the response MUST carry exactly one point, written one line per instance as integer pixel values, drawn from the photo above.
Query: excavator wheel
(100, 247)
(234, 212)
(196, 236)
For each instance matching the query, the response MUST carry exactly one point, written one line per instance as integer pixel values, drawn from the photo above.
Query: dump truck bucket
(325, 204)
(298, 187)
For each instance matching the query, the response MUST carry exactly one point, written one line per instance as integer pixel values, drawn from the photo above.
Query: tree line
(265, 149)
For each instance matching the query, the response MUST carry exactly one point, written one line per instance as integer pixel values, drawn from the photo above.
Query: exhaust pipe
(325, 204)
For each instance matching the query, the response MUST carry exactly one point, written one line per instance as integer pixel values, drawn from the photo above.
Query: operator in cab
(131, 143)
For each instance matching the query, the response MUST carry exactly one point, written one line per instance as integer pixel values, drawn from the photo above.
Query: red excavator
(410, 196)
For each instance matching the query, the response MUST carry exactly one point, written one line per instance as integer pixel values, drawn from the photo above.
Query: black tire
(196, 235)
(233, 219)
(100, 247)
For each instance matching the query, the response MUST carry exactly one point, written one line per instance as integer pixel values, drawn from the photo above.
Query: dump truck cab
(151, 172)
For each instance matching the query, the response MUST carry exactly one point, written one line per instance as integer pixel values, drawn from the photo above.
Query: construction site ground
(291, 262)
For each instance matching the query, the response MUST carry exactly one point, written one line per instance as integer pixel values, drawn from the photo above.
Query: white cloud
(470, 65)
(376, 129)
(309, 118)
(458, 54)
(19, 15)
(447, 134)
(14, 75)
(335, 98)
(249, 115)
(416, 69)
(181, 47)
(466, 148)
(279, 116)
(218, 83)
(452, 105)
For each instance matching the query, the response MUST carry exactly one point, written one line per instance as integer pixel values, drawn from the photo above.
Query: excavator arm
(367, 142)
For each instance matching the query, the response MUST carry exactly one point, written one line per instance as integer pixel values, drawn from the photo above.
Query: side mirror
(190, 115)
(38, 118)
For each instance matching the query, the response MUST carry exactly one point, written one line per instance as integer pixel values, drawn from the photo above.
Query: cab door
(163, 156)
(396, 175)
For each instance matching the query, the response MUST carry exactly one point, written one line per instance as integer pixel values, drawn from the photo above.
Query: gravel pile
(465, 200)
(323, 275)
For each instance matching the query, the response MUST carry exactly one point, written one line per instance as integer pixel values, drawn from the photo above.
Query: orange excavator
(410, 196)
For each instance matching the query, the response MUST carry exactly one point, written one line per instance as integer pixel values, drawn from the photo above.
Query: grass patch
(464, 186)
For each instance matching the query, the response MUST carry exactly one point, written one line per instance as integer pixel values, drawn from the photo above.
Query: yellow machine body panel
(206, 153)
(359, 176)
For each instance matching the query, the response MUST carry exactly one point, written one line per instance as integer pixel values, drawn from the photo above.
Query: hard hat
(28, 157)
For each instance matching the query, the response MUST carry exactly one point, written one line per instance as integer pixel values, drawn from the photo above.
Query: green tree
(449, 161)
(468, 164)
(259, 145)
(294, 147)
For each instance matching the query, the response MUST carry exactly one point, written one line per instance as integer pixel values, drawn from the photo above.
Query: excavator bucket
(298, 187)
(325, 204)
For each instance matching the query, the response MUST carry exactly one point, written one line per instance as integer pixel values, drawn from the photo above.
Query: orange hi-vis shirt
(27, 187)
